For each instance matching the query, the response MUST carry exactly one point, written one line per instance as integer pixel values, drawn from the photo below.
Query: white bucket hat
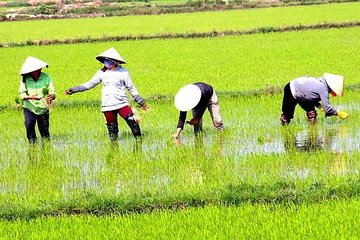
(32, 64)
(335, 82)
(187, 97)
(112, 54)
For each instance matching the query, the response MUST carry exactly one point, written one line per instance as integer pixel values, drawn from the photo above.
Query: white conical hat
(187, 97)
(32, 64)
(112, 54)
(335, 82)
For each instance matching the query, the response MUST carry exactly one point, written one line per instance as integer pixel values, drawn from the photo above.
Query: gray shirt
(311, 89)
(114, 88)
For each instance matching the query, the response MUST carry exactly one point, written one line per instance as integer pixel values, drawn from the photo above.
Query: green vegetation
(270, 165)
(75, 9)
(329, 220)
(256, 179)
(231, 64)
(63, 29)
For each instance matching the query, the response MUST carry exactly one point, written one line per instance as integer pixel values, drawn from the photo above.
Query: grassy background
(230, 64)
(21, 31)
(329, 220)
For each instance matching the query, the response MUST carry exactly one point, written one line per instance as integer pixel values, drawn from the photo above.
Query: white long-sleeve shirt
(114, 88)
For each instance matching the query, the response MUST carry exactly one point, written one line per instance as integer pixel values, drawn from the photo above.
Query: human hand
(176, 141)
(34, 97)
(144, 107)
(342, 115)
(49, 98)
(175, 135)
(193, 121)
(69, 91)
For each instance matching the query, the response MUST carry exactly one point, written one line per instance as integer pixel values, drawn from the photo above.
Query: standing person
(37, 92)
(115, 80)
(197, 97)
(308, 92)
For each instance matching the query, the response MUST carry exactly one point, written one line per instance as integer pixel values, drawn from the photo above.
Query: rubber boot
(113, 131)
(311, 115)
(134, 126)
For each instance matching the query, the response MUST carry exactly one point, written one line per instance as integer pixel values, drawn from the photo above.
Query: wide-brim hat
(112, 54)
(335, 82)
(187, 97)
(32, 64)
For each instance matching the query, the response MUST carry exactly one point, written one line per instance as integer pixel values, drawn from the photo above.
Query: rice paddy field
(22, 31)
(255, 180)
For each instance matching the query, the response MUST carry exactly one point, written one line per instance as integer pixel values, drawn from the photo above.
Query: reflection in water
(338, 164)
(314, 140)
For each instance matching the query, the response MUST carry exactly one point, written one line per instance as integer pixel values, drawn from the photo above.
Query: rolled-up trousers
(214, 110)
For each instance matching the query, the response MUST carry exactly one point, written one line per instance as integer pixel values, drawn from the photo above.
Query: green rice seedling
(159, 68)
(328, 220)
(252, 161)
(67, 29)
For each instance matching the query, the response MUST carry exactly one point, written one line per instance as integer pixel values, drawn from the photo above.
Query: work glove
(342, 115)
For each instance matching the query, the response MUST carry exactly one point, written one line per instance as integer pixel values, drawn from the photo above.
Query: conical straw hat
(112, 54)
(335, 82)
(32, 64)
(187, 97)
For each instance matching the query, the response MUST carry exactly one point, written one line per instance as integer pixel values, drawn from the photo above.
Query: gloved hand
(342, 115)
(193, 121)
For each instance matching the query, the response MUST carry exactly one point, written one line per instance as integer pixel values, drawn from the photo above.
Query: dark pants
(289, 104)
(42, 122)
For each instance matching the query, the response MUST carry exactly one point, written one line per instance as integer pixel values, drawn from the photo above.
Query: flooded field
(80, 162)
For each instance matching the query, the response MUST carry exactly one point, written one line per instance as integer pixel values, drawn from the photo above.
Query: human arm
(93, 82)
(134, 93)
(23, 93)
(177, 133)
(51, 94)
(329, 110)
(194, 120)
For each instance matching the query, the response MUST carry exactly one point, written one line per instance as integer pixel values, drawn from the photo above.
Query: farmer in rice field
(37, 93)
(197, 97)
(311, 92)
(115, 80)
